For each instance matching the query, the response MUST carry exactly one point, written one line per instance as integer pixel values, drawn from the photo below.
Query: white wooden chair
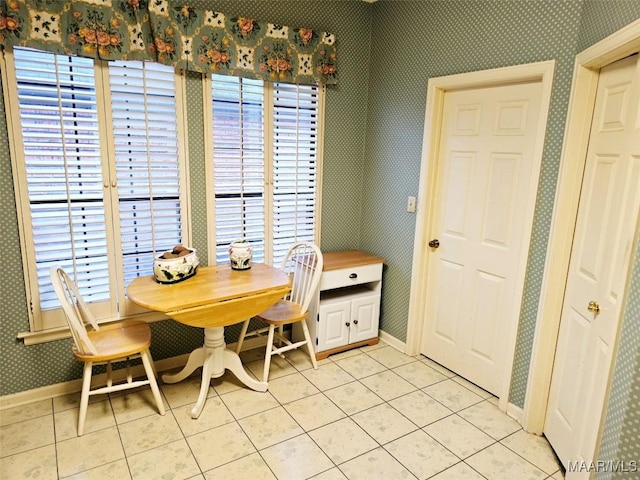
(122, 340)
(303, 262)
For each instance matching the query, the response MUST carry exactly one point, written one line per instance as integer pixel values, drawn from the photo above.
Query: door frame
(437, 88)
(588, 63)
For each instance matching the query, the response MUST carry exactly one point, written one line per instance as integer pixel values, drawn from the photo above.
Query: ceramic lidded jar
(240, 252)
(175, 265)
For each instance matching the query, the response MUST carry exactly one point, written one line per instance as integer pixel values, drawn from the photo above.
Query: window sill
(53, 334)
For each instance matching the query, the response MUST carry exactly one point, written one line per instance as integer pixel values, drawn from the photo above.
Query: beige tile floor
(364, 414)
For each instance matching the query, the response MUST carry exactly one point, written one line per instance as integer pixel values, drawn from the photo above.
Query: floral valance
(178, 35)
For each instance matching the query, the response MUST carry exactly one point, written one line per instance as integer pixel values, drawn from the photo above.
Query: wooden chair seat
(117, 340)
(282, 313)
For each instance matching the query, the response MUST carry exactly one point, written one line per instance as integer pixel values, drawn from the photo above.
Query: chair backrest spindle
(75, 310)
(304, 262)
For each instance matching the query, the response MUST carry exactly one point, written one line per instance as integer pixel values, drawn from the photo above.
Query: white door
(486, 183)
(606, 224)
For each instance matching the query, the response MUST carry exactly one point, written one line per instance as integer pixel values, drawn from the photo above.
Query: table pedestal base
(214, 358)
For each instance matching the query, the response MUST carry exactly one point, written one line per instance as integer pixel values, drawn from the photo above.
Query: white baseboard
(73, 386)
(515, 412)
(392, 341)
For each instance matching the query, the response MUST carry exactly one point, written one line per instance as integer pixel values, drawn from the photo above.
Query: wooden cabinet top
(348, 258)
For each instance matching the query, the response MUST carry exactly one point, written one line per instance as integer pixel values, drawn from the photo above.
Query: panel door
(365, 312)
(333, 330)
(485, 180)
(606, 224)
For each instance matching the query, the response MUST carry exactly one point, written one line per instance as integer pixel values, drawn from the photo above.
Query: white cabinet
(347, 318)
(346, 310)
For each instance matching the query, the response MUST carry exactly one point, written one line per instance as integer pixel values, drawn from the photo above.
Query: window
(99, 174)
(266, 151)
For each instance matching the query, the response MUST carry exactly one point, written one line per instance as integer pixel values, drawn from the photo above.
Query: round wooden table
(213, 298)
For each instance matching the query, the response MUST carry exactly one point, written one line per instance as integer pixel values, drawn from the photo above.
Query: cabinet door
(365, 313)
(333, 331)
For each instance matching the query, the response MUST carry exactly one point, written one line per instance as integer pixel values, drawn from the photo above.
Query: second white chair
(303, 262)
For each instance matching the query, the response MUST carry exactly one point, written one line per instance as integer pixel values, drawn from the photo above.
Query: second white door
(600, 258)
(486, 180)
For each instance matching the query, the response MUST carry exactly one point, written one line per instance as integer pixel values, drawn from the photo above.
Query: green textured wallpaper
(413, 41)
(373, 138)
(600, 18)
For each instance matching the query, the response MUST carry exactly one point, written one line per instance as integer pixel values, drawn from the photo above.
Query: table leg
(233, 363)
(207, 373)
(214, 358)
(196, 360)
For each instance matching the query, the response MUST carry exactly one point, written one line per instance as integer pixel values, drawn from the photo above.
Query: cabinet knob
(355, 322)
(348, 324)
(353, 275)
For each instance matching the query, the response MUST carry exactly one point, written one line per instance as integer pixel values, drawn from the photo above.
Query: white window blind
(101, 175)
(63, 167)
(294, 159)
(238, 167)
(145, 136)
(266, 139)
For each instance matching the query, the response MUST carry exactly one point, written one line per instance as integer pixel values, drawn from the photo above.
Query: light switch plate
(411, 204)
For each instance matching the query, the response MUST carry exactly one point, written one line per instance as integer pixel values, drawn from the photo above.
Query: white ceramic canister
(240, 253)
(175, 268)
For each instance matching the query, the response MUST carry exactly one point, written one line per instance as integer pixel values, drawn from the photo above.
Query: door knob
(593, 307)
(435, 243)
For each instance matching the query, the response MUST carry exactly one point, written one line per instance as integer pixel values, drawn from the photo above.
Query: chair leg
(243, 332)
(110, 374)
(312, 353)
(84, 396)
(148, 368)
(268, 353)
(153, 367)
(281, 333)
